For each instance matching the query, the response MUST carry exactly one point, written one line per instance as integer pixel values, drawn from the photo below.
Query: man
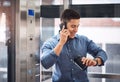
(62, 49)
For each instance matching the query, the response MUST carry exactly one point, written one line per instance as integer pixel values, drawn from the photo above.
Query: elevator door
(6, 40)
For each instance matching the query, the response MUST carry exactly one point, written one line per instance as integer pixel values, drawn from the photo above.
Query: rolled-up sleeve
(102, 54)
(48, 56)
(96, 51)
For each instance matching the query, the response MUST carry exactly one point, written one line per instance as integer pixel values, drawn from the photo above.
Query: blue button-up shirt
(64, 68)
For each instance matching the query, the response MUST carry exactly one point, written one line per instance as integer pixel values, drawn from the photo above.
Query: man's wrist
(96, 62)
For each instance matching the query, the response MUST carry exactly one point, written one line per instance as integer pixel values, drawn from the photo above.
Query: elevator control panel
(31, 40)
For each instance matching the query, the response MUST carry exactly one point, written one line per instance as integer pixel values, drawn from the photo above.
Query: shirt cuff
(102, 62)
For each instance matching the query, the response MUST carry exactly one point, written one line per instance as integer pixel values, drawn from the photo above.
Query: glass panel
(112, 80)
(95, 79)
(100, 22)
(47, 31)
(95, 1)
(104, 80)
(3, 48)
(52, 2)
(113, 63)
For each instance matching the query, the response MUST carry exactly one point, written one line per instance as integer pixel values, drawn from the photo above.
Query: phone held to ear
(63, 25)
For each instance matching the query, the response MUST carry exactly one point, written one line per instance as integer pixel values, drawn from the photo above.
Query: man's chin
(71, 37)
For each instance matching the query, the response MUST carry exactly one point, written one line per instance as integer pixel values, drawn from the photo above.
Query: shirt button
(69, 50)
(73, 79)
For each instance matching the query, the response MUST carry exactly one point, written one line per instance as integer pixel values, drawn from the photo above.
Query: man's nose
(76, 29)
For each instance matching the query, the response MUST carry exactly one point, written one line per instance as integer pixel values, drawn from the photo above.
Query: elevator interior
(26, 24)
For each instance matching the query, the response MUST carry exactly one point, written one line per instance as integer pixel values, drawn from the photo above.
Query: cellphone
(79, 63)
(63, 24)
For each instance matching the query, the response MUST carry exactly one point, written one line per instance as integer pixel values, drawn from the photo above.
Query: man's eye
(73, 26)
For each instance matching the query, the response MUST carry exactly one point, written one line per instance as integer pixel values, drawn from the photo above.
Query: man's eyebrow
(75, 25)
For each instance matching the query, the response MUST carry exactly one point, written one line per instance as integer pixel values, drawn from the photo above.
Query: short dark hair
(69, 14)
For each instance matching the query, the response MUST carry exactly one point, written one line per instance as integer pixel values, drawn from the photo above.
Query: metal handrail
(106, 75)
(90, 74)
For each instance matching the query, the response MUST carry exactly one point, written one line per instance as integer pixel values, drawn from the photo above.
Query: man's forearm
(58, 48)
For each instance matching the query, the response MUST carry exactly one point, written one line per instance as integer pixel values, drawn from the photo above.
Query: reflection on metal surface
(6, 3)
(3, 28)
(3, 48)
(3, 69)
(27, 41)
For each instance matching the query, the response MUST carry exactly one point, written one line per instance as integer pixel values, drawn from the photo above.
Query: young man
(62, 49)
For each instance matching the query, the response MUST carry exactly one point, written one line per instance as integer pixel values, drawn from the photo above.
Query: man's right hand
(64, 33)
